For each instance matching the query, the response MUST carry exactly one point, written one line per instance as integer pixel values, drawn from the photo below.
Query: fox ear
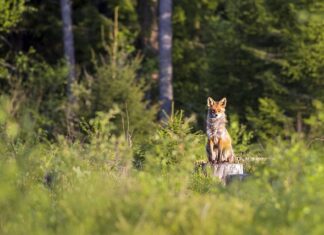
(223, 102)
(210, 101)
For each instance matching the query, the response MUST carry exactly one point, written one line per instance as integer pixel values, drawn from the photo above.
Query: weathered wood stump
(225, 170)
(237, 177)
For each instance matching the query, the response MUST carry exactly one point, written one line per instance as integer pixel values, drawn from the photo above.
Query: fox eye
(213, 111)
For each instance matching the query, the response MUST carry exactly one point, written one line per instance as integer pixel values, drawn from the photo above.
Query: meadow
(102, 185)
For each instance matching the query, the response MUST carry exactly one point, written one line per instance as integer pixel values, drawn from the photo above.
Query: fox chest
(215, 131)
(218, 136)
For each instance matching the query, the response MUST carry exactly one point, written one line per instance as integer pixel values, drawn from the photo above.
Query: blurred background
(266, 57)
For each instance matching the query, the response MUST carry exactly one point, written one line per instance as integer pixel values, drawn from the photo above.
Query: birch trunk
(69, 55)
(165, 58)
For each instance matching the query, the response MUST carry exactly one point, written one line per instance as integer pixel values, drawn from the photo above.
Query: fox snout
(213, 115)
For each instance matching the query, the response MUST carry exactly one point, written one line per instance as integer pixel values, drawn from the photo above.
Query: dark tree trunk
(69, 54)
(147, 11)
(165, 58)
(299, 122)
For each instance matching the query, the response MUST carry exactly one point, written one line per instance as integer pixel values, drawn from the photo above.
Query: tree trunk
(147, 11)
(299, 122)
(223, 170)
(147, 14)
(69, 55)
(165, 58)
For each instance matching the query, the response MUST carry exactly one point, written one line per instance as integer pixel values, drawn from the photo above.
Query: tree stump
(237, 177)
(224, 170)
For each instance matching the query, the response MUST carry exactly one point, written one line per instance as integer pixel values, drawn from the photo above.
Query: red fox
(219, 146)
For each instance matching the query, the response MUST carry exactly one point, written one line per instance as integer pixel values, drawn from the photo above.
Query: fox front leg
(231, 157)
(212, 151)
(220, 155)
(228, 155)
(216, 155)
(215, 140)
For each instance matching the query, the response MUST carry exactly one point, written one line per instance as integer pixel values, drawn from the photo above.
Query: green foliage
(38, 89)
(173, 146)
(115, 82)
(90, 187)
(35, 87)
(316, 120)
(247, 50)
(289, 181)
(241, 136)
(10, 13)
(270, 121)
(123, 173)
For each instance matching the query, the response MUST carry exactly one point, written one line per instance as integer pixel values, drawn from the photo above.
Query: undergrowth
(102, 185)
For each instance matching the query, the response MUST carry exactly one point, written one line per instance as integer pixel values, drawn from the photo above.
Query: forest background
(85, 152)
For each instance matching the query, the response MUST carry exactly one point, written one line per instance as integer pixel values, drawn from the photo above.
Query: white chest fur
(216, 127)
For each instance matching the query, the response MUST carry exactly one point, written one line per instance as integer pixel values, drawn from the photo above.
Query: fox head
(216, 109)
